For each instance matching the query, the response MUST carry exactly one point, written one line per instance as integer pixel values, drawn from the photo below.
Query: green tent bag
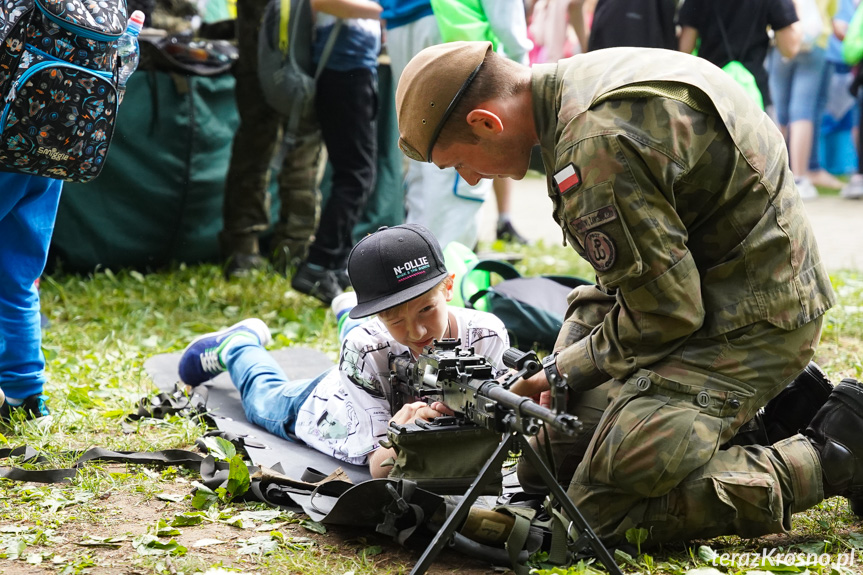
(531, 308)
(146, 214)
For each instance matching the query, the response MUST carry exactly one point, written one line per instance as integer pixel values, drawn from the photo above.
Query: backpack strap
(503, 269)
(515, 543)
(725, 34)
(284, 19)
(296, 111)
(328, 47)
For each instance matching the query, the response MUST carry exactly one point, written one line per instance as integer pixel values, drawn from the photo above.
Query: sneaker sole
(257, 326)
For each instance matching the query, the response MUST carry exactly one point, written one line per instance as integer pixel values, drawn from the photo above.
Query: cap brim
(368, 308)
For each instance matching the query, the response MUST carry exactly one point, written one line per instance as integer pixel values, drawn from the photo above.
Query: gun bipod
(515, 442)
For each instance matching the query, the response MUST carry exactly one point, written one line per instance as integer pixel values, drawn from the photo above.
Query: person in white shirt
(398, 273)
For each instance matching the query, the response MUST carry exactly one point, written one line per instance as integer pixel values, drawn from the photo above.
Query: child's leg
(270, 399)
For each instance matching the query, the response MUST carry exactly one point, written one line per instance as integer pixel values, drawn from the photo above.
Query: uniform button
(702, 399)
(734, 403)
(642, 383)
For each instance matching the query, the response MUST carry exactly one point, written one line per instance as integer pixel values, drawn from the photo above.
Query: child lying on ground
(397, 273)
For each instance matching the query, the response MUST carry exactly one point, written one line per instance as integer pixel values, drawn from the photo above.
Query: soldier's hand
(531, 386)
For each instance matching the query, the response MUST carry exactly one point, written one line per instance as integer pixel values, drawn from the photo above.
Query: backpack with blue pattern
(58, 77)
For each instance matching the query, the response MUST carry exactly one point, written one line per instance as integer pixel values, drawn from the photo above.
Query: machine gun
(465, 383)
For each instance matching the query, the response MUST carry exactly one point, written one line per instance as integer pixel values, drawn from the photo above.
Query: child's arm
(348, 8)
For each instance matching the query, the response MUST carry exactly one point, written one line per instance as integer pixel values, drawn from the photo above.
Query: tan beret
(430, 87)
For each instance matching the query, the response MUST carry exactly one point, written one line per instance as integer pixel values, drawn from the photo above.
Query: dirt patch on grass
(116, 519)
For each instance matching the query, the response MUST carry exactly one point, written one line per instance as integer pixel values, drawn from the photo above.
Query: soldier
(710, 290)
(246, 208)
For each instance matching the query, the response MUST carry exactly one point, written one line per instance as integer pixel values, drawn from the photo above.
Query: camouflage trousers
(649, 456)
(246, 210)
(654, 461)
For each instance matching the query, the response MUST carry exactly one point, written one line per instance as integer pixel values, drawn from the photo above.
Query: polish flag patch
(567, 178)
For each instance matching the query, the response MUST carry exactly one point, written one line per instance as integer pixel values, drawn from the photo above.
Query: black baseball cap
(392, 266)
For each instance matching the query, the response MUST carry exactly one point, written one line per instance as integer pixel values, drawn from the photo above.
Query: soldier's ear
(484, 122)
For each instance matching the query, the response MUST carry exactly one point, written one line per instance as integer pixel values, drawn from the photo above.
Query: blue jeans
(270, 399)
(28, 209)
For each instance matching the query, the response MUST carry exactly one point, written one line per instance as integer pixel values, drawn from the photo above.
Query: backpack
(531, 308)
(58, 74)
(744, 77)
(852, 45)
(285, 63)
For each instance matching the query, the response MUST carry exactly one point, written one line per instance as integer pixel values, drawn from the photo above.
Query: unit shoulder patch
(600, 249)
(594, 219)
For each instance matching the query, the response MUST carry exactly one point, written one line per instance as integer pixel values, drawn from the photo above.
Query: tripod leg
(459, 514)
(569, 508)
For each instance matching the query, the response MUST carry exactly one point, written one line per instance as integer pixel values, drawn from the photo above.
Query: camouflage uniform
(246, 210)
(710, 295)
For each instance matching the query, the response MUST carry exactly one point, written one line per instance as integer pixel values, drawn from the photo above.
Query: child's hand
(419, 410)
(442, 409)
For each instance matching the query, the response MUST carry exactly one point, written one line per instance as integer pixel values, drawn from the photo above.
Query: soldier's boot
(240, 254)
(789, 412)
(792, 410)
(836, 433)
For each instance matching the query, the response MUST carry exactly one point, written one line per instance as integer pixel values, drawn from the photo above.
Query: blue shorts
(795, 85)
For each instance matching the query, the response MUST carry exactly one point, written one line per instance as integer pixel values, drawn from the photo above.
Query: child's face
(422, 320)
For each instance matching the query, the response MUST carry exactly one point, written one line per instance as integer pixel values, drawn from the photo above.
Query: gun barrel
(526, 407)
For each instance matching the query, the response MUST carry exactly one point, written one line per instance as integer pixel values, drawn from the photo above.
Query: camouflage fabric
(691, 219)
(567, 451)
(676, 188)
(247, 203)
(654, 461)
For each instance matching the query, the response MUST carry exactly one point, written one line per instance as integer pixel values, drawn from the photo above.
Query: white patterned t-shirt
(347, 413)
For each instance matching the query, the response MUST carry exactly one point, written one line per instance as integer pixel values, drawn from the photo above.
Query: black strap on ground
(181, 457)
(175, 402)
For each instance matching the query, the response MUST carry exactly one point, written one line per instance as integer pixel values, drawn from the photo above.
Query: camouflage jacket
(671, 182)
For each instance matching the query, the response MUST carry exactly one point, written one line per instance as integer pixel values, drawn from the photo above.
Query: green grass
(103, 328)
